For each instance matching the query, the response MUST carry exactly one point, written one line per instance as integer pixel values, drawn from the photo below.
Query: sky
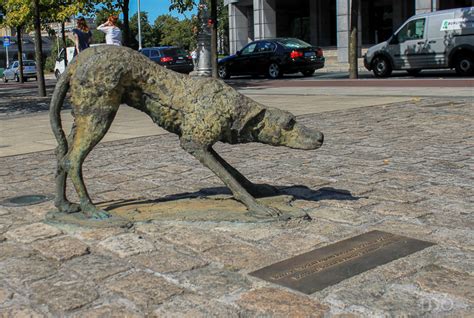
(156, 8)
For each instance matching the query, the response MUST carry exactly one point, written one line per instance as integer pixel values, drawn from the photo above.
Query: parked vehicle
(60, 66)
(171, 57)
(13, 71)
(436, 40)
(273, 58)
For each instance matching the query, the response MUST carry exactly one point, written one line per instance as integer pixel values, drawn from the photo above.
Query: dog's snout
(320, 137)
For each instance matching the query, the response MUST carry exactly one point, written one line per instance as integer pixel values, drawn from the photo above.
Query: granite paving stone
(196, 306)
(63, 293)
(61, 248)
(167, 259)
(108, 310)
(96, 267)
(271, 302)
(443, 280)
(127, 244)
(404, 168)
(32, 232)
(144, 289)
(214, 282)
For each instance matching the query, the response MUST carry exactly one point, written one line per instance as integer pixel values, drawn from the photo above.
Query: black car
(171, 57)
(273, 58)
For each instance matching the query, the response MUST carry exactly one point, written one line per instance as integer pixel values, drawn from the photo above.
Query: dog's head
(280, 128)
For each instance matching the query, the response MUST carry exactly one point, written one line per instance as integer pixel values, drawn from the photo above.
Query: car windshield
(174, 52)
(294, 43)
(29, 63)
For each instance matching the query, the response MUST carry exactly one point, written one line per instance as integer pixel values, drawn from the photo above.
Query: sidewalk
(20, 134)
(401, 164)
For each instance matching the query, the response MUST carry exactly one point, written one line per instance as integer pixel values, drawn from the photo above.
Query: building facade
(324, 23)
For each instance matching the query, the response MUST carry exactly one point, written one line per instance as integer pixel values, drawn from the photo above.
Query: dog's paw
(68, 207)
(262, 211)
(91, 212)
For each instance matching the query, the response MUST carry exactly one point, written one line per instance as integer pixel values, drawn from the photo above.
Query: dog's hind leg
(90, 129)
(207, 157)
(260, 190)
(61, 202)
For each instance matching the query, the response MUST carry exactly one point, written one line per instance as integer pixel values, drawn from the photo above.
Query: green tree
(353, 40)
(172, 31)
(148, 36)
(18, 24)
(24, 12)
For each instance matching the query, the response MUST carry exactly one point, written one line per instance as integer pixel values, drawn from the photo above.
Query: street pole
(204, 42)
(6, 53)
(139, 27)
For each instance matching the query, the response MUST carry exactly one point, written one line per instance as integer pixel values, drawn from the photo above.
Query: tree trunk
(64, 43)
(214, 38)
(20, 51)
(353, 40)
(39, 50)
(126, 24)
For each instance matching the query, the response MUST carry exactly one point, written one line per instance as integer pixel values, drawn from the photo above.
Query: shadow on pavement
(298, 192)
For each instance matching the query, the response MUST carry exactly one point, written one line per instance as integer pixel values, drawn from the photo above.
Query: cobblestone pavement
(405, 168)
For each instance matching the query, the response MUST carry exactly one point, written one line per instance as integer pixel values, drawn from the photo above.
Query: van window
(413, 30)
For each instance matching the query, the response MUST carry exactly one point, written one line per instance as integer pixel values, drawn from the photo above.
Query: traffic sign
(6, 41)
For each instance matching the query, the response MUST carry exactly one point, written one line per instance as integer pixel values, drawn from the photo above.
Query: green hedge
(1, 72)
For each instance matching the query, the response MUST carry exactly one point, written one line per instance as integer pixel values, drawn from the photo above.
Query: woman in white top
(113, 35)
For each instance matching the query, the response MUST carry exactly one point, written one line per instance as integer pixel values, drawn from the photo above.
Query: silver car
(13, 71)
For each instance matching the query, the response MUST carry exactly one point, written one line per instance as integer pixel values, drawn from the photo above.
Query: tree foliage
(175, 32)
(149, 38)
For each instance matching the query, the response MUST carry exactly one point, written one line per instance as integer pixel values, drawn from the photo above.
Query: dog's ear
(244, 127)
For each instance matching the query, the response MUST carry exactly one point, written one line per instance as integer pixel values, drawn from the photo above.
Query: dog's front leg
(205, 155)
(260, 190)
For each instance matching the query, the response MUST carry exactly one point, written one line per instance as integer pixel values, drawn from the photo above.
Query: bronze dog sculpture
(200, 111)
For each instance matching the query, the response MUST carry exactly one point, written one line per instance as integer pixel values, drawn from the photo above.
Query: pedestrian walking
(194, 56)
(81, 35)
(113, 34)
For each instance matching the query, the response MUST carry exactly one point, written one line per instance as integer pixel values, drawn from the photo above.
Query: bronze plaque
(326, 266)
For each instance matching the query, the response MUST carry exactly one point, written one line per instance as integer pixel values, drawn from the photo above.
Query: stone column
(343, 24)
(343, 11)
(238, 27)
(423, 6)
(204, 67)
(314, 18)
(264, 13)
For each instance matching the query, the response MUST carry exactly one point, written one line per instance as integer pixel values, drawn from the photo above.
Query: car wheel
(381, 67)
(57, 74)
(464, 65)
(413, 72)
(223, 72)
(5, 79)
(17, 78)
(274, 71)
(308, 72)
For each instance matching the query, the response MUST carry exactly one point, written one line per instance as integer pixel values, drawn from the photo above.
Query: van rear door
(439, 40)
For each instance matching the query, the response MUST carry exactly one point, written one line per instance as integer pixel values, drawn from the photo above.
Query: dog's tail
(57, 101)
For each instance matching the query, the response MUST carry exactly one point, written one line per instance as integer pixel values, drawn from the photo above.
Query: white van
(60, 66)
(436, 40)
